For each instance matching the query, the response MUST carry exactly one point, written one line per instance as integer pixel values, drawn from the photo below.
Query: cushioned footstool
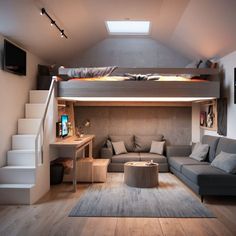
(141, 174)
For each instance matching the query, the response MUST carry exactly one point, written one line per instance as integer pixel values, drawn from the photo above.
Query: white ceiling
(195, 28)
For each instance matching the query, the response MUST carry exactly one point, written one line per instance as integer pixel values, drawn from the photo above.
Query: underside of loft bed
(206, 88)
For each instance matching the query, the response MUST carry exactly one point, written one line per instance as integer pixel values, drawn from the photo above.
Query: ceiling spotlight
(53, 22)
(62, 33)
(42, 11)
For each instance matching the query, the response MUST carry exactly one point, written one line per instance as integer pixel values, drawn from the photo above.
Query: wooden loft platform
(160, 91)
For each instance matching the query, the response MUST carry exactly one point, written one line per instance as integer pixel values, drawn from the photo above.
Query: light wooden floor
(50, 217)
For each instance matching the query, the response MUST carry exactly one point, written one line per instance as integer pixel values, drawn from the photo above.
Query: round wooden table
(141, 174)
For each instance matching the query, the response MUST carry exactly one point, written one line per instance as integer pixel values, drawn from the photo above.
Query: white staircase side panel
(34, 110)
(21, 158)
(26, 141)
(17, 175)
(15, 193)
(38, 96)
(28, 126)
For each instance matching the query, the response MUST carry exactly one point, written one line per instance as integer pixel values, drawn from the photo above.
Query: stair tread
(17, 186)
(30, 119)
(25, 135)
(18, 167)
(22, 150)
(35, 104)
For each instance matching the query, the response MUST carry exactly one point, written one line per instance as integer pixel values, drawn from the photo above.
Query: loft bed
(171, 84)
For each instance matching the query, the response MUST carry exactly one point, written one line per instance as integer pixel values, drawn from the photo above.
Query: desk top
(73, 141)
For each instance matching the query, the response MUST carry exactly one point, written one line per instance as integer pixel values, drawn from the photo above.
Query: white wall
(129, 52)
(227, 63)
(14, 92)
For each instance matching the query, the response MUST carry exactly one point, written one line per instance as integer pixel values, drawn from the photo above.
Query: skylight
(128, 27)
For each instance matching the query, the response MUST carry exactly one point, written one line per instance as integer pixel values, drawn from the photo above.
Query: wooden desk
(76, 144)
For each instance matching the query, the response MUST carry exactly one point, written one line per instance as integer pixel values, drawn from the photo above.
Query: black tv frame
(235, 85)
(4, 58)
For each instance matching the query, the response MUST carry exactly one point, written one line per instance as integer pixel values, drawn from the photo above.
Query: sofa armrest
(106, 153)
(178, 150)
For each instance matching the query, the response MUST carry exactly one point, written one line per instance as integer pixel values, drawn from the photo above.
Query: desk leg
(75, 173)
(90, 149)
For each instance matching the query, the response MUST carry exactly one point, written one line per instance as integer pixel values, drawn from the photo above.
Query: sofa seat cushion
(206, 175)
(125, 157)
(157, 158)
(179, 162)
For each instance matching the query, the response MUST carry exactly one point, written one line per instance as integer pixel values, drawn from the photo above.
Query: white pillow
(119, 147)
(200, 151)
(157, 147)
(226, 162)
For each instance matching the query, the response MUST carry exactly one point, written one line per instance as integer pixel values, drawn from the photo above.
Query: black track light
(53, 22)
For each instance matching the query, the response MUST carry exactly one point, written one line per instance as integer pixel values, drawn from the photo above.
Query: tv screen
(64, 125)
(14, 59)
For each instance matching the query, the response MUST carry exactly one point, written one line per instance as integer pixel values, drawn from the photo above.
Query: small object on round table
(141, 174)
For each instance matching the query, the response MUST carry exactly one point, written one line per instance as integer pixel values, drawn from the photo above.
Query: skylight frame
(146, 25)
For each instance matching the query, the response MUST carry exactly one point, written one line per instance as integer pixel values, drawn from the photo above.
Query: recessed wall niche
(173, 122)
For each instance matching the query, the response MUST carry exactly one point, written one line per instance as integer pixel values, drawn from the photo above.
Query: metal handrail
(41, 125)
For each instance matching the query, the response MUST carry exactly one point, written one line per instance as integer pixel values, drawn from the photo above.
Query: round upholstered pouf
(141, 174)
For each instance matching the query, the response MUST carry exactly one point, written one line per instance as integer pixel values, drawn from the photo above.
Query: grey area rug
(116, 199)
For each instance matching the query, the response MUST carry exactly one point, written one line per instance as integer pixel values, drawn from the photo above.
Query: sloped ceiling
(194, 28)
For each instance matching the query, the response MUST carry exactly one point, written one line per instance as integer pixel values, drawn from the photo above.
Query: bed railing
(40, 132)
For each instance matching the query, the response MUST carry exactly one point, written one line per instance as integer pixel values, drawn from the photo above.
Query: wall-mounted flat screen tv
(14, 59)
(234, 85)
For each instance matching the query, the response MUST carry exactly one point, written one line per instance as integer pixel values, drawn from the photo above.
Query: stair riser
(37, 96)
(34, 110)
(21, 142)
(28, 126)
(22, 159)
(16, 176)
(14, 196)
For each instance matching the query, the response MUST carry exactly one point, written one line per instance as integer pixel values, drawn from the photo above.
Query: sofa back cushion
(226, 162)
(127, 139)
(200, 152)
(212, 141)
(226, 145)
(143, 142)
(119, 147)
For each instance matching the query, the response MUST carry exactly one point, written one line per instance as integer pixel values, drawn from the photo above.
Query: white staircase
(18, 178)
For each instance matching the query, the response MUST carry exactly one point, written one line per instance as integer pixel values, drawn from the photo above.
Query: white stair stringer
(21, 182)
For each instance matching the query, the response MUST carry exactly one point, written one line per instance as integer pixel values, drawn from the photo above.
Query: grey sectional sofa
(138, 147)
(201, 177)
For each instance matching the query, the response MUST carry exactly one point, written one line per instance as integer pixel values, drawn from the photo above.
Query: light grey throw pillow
(157, 147)
(119, 147)
(200, 151)
(226, 162)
